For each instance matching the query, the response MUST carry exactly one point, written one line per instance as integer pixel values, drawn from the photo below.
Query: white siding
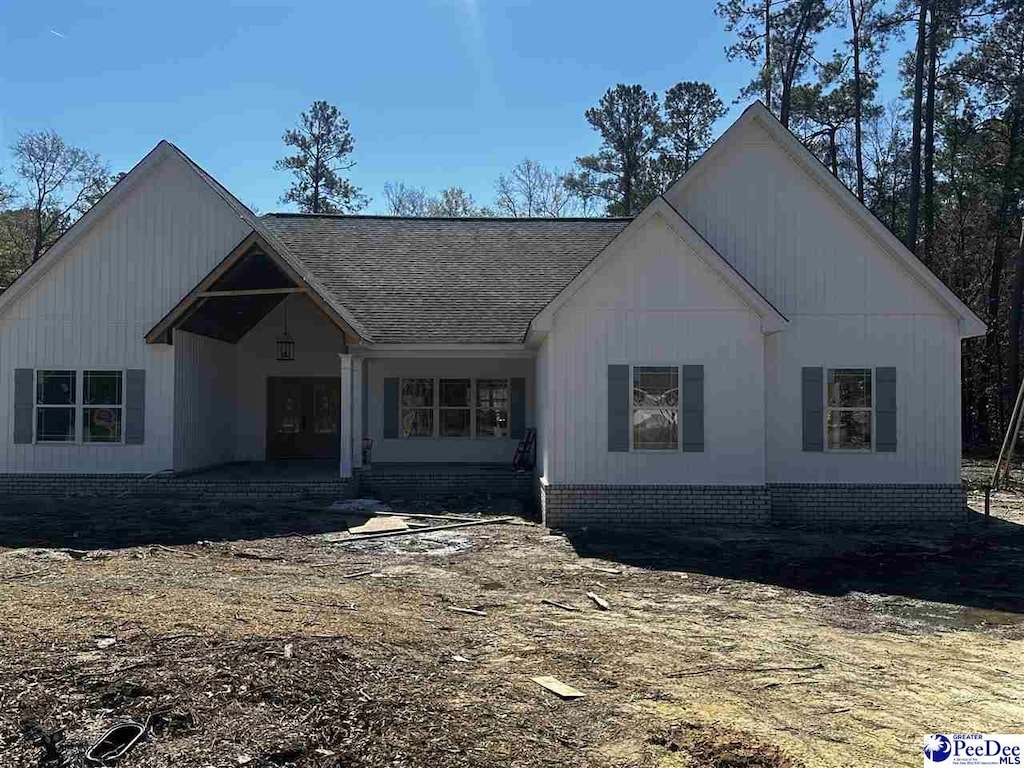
(318, 342)
(94, 306)
(849, 302)
(442, 449)
(204, 401)
(542, 400)
(925, 350)
(654, 303)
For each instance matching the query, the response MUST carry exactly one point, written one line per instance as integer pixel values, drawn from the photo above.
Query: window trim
(826, 408)
(678, 408)
(79, 406)
(437, 407)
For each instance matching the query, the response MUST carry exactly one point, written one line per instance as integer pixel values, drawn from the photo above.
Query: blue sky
(438, 92)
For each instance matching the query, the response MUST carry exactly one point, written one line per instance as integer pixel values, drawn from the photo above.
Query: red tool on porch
(524, 456)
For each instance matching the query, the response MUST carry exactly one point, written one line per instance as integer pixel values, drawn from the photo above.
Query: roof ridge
(385, 217)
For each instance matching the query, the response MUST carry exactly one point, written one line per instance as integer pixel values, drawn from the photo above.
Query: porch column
(358, 427)
(345, 417)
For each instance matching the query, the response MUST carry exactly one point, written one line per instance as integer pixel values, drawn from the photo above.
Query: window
(454, 409)
(60, 410)
(848, 406)
(492, 400)
(103, 406)
(417, 407)
(655, 408)
(55, 406)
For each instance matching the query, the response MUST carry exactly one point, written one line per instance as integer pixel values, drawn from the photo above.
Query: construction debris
(563, 606)
(116, 743)
(410, 515)
(358, 574)
(380, 525)
(600, 601)
(471, 611)
(430, 529)
(558, 688)
(247, 554)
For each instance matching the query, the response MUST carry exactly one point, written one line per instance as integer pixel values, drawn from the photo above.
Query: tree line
(941, 164)
(645, 145)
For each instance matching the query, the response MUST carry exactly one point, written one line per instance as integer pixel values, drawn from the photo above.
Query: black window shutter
(618, 408)
(135, 407)
(885, 410)
(692, 408)
(389, 410)
(24, 397)
(813, 387)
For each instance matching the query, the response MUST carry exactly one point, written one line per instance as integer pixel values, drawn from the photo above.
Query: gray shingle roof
(425, 280)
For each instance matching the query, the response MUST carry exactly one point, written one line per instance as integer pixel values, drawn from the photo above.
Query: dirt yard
(259, 635)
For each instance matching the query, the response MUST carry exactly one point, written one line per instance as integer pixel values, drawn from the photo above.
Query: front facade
(752, 346)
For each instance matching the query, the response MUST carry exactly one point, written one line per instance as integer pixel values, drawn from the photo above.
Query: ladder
(522, 461)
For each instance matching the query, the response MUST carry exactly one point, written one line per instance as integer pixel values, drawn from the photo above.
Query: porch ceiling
(237, 299)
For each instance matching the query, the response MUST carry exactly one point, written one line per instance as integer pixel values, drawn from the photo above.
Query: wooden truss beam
(249, 292)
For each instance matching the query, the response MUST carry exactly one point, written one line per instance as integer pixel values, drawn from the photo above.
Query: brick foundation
(418, 485)
(179, 486)
(662, 506)
(652, 506)
(392, 485)
(867, 505)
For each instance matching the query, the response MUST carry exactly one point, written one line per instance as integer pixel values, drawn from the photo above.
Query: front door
(302, 418)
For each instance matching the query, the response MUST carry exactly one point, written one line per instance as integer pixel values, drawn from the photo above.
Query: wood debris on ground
(556, 604)
(559, 688)
(470, 611)
(599, 601)
(380, 525)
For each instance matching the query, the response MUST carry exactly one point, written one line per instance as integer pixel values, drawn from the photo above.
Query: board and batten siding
(204, 401)
(655, 303)
(93, 307)
(849, 303)
(464, 450)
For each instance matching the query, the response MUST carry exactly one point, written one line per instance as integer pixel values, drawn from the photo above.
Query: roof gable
(659, 209)
(798, 233)
(158, 223)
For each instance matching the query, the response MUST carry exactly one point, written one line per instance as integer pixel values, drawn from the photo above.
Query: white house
(754, 345)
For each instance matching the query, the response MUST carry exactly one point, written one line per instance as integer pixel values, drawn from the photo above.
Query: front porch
(331, 399)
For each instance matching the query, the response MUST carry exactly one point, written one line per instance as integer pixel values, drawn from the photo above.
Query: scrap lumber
(563, 606)
(600, 601)
(24, 575)
(430, 529)
(470, 611)
(424, 516)
(357, 574)
(246, 554)
(558, 688)
(380, 525)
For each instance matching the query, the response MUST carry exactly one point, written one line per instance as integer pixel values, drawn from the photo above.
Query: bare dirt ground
(256, 634)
